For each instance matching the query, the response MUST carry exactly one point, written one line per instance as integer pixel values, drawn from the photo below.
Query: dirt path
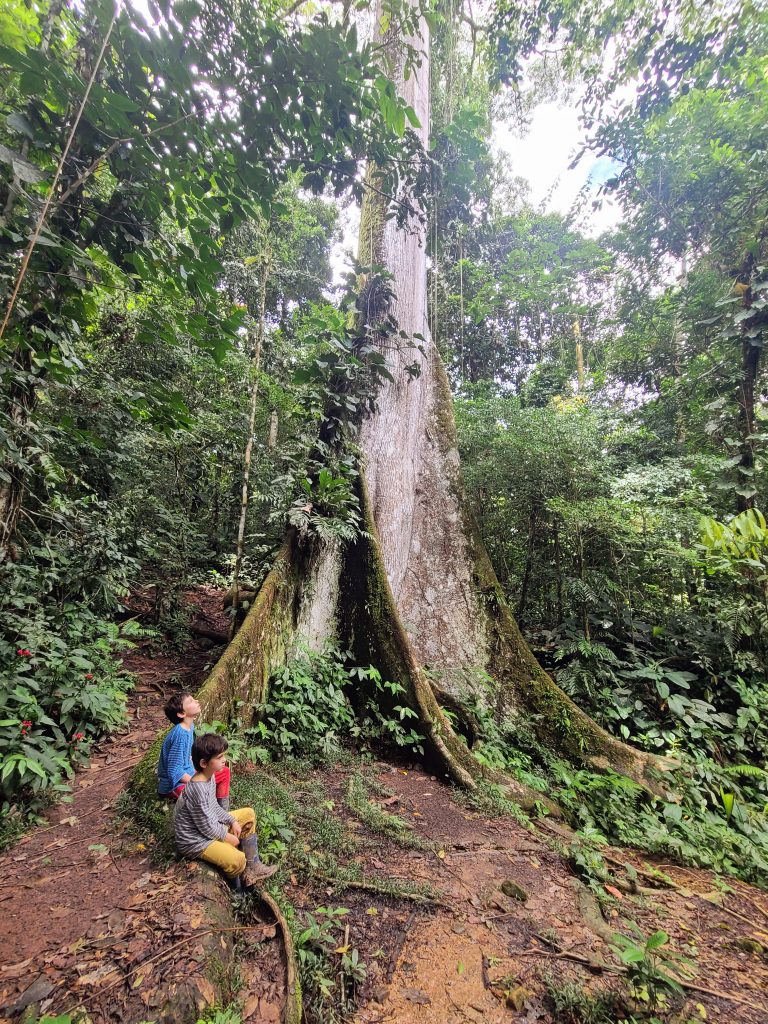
(484, 960)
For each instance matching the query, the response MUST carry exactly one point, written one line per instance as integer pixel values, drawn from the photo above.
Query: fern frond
(752, 771)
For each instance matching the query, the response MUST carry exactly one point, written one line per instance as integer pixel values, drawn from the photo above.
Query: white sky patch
(543, 155)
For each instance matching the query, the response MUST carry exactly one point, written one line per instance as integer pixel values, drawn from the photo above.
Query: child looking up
(203, 829)
(175, 768)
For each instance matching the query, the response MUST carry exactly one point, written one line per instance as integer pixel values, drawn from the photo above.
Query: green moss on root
(260, 645)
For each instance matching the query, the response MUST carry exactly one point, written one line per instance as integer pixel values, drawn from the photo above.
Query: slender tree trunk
(750, 362)
(582, 580)
(244, 497)
(273, 422)
(532, 524)
(559, 577)
(579, 358)
(678, 344)
(216, 510)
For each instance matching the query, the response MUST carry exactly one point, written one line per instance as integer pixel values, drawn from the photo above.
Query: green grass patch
(377, 819)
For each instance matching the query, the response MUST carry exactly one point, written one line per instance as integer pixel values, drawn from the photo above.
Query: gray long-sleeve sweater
(198, 819)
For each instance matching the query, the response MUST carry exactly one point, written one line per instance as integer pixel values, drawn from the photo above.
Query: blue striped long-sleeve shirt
(175, 758)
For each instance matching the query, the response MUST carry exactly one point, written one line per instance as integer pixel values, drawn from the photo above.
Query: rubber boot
(256, 870)
(250, 847)
(223, 802)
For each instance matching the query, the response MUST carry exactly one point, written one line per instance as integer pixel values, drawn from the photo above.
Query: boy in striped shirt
(226, 839)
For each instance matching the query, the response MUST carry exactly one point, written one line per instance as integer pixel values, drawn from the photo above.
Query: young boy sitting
(175, 768)
(204, 829)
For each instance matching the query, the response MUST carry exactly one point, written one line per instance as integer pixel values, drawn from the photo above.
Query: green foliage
(309, 713)
(330, 970)
(652, 968)
(512, 288)
(207, 187)
(652, 625)
(609, 808)
(382, 718)
(60, 687)
(221, 1015)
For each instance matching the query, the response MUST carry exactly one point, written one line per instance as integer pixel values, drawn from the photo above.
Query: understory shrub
(61, 686)
(309, 713)
(704, 829)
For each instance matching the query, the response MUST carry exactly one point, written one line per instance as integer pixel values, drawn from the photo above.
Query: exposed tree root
(589, 909)
(398, 947)
(381, 889)
(292, 1013)
(599, 965)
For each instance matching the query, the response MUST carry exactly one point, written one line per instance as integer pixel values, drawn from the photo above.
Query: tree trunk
(559, 578)
(273, 421)
(750, 361)
(256, 364)
(416, 594)
(523, 599)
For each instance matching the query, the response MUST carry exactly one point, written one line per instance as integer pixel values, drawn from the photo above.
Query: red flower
(24, 652)
(78, 736)
(89, 675)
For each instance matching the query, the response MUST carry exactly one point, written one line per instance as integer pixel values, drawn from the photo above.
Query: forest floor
(456, 914)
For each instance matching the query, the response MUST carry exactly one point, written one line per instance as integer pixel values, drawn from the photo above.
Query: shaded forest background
(609, 392)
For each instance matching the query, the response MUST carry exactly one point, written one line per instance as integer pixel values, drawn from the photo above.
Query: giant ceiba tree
(415, 594)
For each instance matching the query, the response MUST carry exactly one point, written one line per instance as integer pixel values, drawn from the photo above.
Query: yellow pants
(227, 858)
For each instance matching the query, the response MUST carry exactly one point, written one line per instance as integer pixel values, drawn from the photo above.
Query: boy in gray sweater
(203, 829)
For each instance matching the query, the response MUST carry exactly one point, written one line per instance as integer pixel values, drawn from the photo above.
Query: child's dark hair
(175, 706)
(206, 747)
